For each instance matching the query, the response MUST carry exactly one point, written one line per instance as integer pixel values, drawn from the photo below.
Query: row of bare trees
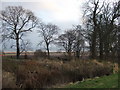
(17, 21)
(101, 30)
(72, 41)
(102, 27)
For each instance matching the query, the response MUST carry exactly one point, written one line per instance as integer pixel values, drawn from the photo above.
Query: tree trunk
(78, 49)
(118, 48)
(18, 49)
(69, 55)
(93, 46)
(101, 49)
(69, 50)
(100, 44)
(107, 48)
(94, 36)
(78, 54)
(48, 53)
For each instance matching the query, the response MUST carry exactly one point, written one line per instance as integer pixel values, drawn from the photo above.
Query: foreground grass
(102, 82)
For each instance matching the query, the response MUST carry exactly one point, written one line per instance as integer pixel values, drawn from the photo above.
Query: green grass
(102, 82)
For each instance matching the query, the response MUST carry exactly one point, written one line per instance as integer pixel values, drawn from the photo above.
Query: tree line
(103, 28)
(100, 29)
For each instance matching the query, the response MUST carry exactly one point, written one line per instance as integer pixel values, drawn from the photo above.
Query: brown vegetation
(47, 73)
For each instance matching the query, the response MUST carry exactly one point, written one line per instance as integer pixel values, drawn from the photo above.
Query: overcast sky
(63, 13)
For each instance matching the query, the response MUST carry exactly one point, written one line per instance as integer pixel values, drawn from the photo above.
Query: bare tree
(16, 22)
(102, 27)
(66, 40)
(110, 16)
(48, 32)
(92, 10)
(79, 41)
(25, 47)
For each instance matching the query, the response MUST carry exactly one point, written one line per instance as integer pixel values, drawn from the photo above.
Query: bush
(40, 54)
(46, 73)
(78, 70)
(10, 65)
(33, 75)
(8, 80)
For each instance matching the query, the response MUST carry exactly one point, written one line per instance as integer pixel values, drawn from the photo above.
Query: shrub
(8, 80)
(10, 65)
(78, 70)
(40, 54)
(38, 74)
(33, 75)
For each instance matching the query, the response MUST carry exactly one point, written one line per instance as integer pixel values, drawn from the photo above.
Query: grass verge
(102, 82)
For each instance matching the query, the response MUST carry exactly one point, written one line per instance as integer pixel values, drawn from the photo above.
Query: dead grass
(8, 80)
(47, 73)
